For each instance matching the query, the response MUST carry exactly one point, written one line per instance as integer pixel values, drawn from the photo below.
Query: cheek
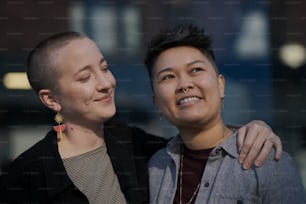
(77, 93)
(210, 85)
(215, 93)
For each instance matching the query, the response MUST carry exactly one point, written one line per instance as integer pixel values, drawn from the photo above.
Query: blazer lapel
(119, 147)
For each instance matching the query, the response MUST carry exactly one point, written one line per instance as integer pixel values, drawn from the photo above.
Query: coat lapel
(120, 149)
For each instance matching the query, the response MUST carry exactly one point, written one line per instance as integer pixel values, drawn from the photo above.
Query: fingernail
(246, 165)
(257, 163)
(241, 159)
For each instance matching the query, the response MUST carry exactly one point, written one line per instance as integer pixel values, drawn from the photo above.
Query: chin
(189, 123)
(109, 115)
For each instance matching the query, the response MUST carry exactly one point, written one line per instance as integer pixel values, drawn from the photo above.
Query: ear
(48, 99)
(154, 101)
(221, 82)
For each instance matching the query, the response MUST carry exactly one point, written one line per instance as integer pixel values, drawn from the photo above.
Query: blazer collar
(57, 178)
(120, 150)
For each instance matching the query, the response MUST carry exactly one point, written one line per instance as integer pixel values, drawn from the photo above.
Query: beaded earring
(60, 127)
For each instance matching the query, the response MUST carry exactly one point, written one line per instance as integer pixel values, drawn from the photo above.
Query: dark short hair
(180, 35)
(41, 70)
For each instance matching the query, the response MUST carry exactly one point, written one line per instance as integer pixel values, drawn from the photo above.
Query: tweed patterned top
(92, 173)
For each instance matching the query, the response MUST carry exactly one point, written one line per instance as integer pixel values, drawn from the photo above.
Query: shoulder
(159, 158)
(29, 158)
(116, 127)
(36, 151)
(40, 148)
(285, 162)
(118, 133)
(116, 130)
(283, 170)
(281, 179)
(166, 154)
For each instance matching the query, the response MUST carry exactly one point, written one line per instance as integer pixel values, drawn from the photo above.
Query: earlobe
(159, 112)
(48, 99)
(221, 85)
(153, 99)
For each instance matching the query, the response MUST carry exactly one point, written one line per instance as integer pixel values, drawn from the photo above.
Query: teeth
(187, 100)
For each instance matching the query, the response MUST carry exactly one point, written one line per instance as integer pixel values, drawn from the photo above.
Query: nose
(104, 82)
(184, 85)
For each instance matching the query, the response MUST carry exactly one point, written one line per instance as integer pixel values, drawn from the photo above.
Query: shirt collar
(229, 145)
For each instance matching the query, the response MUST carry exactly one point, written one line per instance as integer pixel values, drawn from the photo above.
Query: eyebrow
(164, 70)
(188, 64)
(196, 61)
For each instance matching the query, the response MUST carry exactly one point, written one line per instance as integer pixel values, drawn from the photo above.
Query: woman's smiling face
(85, 84)
(186, 87)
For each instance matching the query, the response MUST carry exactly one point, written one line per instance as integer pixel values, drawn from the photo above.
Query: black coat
(39, 176)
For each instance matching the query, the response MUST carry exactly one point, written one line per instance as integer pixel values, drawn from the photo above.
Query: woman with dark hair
(201, 164)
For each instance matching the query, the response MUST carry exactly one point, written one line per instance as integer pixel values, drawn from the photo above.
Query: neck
(205, 138)
(79, 139)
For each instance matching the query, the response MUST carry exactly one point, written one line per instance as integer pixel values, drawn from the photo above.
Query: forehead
(180, 56)
(76, 47)
(76, 54)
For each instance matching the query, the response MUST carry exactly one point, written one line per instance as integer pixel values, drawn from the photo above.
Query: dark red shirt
(194, 162)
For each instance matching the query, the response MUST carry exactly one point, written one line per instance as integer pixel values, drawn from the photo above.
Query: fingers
(252, 146)
(261, 147)
(246, 137)
(278, 147)
(266, 149)
(257, 152)
(255, 141)
(270, 142)
(241, 137)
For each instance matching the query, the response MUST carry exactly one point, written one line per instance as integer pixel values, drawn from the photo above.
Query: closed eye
(104, 66)
(105, 69)
(84, 78)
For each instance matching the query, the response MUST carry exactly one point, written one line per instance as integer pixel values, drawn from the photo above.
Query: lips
(104, 98)
(189, 99)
